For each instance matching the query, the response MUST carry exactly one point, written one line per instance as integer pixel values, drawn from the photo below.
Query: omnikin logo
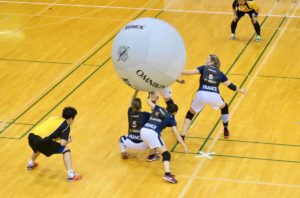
(148, 80)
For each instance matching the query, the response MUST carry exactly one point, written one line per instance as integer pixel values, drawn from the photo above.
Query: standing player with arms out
(136, 120)
(208, 92)
(56, 135)
(240, 8)
(151, 133)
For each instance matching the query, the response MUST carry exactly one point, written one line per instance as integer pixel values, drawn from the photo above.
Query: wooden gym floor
(56, 53)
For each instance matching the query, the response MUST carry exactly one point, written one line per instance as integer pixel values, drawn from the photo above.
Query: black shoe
(226, 133)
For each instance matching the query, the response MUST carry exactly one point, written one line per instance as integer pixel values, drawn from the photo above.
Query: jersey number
(133, 124)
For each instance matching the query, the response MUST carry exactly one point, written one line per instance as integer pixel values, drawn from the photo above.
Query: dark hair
(136, 104)
(172, 108)
(69, 112)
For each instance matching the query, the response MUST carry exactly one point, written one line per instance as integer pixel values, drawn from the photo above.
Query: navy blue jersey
(210, 78)
(160, 119)
(136, 121)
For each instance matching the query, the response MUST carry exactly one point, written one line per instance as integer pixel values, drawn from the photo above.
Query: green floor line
(17, 123)
(62, 100)
(58, 83)
(245, 157)
(34, 61)
(227, 72)
(268, 76)
(247, 141)
(46, 62)
(81, 83)
(249, 73)
(10, 138)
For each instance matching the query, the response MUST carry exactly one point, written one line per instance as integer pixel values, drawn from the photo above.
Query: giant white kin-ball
(148, 54)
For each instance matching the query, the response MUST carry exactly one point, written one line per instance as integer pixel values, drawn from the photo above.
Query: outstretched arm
(179, 138)
(233, 87)
(190, 72)
(133, 96)
(150, 102)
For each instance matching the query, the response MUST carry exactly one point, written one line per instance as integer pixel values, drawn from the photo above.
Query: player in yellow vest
(51, 137)
(240, 8)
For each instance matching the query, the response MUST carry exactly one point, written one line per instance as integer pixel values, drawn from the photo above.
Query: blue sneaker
(153, 157)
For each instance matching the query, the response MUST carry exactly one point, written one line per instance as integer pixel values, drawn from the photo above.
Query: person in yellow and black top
(51, 137)
(240, 8)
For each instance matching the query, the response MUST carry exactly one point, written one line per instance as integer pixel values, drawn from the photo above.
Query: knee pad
(189, 115)
(225, 109)
(68, 150)
(166, 156)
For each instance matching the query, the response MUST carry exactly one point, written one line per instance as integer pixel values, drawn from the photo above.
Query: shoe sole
(124, 155)
(72, 180)
(170, 181)
(153, 160)
(33, 167)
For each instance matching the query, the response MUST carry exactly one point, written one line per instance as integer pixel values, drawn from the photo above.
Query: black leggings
(239, 16)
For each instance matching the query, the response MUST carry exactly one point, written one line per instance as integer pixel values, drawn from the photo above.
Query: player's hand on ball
(181, 81)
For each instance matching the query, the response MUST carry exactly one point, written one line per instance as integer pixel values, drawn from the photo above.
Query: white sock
(30, 162)
(122, 146)
(71, 173)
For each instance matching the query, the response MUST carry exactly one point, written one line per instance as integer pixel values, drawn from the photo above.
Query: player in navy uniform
(136, 120)
(151, 133)
(208, 92)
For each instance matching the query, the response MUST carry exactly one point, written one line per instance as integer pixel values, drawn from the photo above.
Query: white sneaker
(258, 38)
(232, 36)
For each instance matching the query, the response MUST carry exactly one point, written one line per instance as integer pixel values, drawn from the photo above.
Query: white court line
(202, 160)
(18, 29)
(138, 8)
(65, 19)
(245, 181)
(60, 77)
